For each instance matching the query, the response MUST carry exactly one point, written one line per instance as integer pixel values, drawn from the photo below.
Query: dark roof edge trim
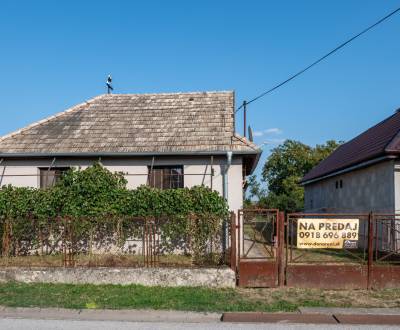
(255, 163)
(391, 146)
(349, 169)
(128, 154)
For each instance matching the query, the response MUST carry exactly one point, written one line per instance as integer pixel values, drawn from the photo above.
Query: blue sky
(55, 54)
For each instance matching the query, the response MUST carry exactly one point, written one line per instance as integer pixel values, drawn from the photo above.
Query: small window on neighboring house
(341, 183)
(166, 177)
(337, 184)
(48, 178)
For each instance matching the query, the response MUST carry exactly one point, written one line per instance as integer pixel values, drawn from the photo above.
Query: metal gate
(266, 251)
(260, 238)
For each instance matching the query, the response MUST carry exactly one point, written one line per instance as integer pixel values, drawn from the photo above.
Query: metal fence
(316, 250)
(315, 255)
(368, 256)
(386, 228)
(111, 242)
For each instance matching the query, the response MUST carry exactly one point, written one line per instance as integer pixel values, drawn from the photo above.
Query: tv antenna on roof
(108, 83)
(250, 134)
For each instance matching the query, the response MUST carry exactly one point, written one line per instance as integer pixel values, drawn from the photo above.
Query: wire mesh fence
(192, 241)
(258, 233)
(375, 238)
(314, 253)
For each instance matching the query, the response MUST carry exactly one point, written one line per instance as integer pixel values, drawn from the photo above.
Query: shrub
(97, 206)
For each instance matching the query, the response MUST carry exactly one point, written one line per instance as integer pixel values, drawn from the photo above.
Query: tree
(256, 191)
(283, 170)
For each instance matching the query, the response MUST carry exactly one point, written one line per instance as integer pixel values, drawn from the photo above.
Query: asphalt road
(14, 324)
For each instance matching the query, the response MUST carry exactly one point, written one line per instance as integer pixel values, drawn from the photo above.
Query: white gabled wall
(197, 170)
(374, 188)
(397, 187)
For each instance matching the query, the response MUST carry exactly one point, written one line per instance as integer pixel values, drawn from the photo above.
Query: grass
(189, 299)
(121, 297)
(94, 260)
(327, 255)
(325, 298)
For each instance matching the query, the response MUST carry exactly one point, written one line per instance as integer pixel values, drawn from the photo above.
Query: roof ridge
(173, 93)
(47, 119)
(362, 133)
(372, 127)
(394, 140)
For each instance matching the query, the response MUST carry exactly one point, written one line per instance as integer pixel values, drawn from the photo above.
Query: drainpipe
(4, 169)
(225, 195)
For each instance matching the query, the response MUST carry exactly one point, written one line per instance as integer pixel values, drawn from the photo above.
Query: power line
(320, 59)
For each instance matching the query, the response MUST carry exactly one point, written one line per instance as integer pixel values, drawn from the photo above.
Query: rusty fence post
(280, 255)
(370, 249)
(239, 227)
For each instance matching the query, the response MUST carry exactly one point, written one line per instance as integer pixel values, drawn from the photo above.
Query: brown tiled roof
(136, 123)
(380, 140)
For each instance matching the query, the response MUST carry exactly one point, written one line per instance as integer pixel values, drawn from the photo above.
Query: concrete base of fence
(173, 277)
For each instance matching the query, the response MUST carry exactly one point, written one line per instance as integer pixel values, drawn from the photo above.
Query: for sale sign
(327, 233)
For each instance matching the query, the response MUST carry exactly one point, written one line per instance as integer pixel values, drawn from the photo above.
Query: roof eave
(129, 154)
(256, 158)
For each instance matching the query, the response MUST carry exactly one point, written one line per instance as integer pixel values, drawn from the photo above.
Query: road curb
(278, 318)
(127, 315)
(349, 310)
(381, 316)
(322, 317)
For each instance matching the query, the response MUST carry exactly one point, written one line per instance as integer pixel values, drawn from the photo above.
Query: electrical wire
(320, 59)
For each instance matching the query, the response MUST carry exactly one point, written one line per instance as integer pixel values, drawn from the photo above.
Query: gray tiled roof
(136, 123)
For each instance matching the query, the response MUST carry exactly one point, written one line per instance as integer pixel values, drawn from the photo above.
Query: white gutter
(2, 174)
(124, 154)
(225, 187)
(225, 175)
(255, 153)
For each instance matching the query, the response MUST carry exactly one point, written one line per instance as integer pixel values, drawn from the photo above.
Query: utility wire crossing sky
(56, 54)
(320, 59)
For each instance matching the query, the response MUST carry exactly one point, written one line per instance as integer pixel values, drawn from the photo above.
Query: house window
(339, 184)
(166, 177)
(48, 178)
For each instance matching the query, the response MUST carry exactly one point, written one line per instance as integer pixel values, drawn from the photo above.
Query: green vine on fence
(99, 208)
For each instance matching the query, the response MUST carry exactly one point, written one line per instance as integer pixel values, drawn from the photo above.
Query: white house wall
(397, 186)
(25, 173)
(364, 190)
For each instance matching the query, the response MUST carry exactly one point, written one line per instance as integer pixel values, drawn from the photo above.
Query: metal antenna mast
(108, 83)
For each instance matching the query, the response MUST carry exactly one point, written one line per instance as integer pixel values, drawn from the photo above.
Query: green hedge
(98, 206)
(95, 191)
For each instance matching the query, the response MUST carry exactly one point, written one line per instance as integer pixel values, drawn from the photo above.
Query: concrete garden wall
(171, 277)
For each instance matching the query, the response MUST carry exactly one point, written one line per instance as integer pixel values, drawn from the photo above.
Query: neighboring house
(361, 175)
(165, 140)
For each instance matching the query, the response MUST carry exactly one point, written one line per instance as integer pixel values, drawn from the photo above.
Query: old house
(165, 140)
(362, 175)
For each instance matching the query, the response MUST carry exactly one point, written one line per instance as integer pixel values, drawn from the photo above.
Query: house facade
(361, 175)
(163, 140)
